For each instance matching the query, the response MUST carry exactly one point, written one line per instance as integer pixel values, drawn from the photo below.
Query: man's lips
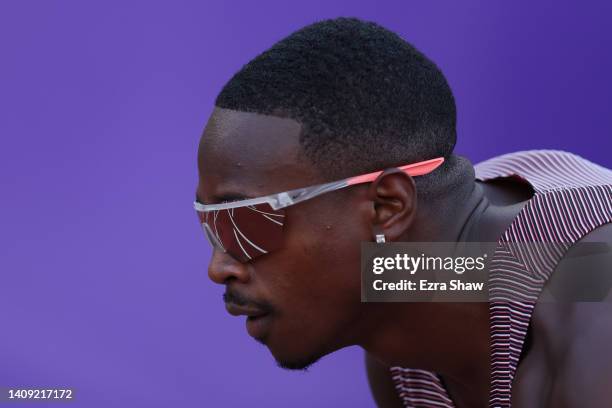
(244, 310)
(258, 320)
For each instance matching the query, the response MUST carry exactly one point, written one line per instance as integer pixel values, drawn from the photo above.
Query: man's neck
(450, 339)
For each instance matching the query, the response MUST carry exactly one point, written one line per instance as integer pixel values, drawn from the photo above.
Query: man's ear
(394, 196)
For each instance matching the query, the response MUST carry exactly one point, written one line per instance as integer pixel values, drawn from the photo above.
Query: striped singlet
(573, 196)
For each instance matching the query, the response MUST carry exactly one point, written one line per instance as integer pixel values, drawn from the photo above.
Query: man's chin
(292, 360)
(297, 364)
(293, 354)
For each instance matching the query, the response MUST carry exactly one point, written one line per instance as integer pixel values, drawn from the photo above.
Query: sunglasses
(247, 229)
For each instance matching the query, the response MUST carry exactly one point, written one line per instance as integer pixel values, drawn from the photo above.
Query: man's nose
(223, 267)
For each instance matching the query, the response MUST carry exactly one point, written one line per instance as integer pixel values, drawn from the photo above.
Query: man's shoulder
(545, 170)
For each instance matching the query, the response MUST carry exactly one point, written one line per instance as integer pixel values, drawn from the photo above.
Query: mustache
(231, 296)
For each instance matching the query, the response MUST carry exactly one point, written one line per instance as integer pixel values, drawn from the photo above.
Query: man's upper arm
(584, 376)
(585, 272)
(381, 384)
(584, 373)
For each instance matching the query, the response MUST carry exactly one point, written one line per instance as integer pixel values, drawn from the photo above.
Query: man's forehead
(251, 154)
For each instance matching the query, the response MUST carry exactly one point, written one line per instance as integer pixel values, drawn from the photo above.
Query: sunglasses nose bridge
(211, 237)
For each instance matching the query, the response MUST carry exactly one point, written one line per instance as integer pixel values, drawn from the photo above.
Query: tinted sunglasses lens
(247, 232)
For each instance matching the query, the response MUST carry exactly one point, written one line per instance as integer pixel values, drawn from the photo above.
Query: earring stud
(380, 238)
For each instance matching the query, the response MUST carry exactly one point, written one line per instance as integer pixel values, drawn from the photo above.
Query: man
(345, 98)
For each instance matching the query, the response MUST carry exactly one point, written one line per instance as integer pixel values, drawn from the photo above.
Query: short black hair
(366, 98)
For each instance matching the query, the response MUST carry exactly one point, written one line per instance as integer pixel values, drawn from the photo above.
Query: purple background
(103, 266)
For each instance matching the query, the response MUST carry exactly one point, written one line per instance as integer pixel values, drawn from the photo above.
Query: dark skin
(311, 286)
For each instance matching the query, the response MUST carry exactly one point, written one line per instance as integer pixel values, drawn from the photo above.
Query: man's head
(336, 99)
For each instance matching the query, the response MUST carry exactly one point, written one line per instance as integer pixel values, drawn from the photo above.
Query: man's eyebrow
(224, 198)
